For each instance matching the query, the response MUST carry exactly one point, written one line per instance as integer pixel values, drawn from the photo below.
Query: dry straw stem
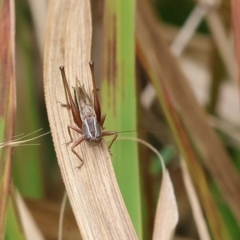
(92, 190)
(201, 224)
(153, 49)
(18, 142)
(235, 7)
(223, 42)
(8, 98)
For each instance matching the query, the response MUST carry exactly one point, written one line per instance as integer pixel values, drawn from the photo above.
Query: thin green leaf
(118, 91)
(14, 228)
(28, 177)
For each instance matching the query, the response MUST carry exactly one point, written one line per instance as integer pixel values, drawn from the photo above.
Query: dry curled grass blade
(92, 190)
(166, 217)
(7, 93)
(235, 6)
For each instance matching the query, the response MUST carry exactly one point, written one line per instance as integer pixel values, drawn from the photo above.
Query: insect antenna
(147, 131)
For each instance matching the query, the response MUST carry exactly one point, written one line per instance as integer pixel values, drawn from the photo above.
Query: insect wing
(81, 96)
(97, 107)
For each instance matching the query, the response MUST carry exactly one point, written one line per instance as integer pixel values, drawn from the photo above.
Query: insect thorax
(91, 130)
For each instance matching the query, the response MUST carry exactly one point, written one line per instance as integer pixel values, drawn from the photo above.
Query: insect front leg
(110, 134)
(69, 132)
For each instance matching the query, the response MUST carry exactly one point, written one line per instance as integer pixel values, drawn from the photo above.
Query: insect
(86, 114)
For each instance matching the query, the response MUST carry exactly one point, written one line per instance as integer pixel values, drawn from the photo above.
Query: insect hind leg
(110, 134)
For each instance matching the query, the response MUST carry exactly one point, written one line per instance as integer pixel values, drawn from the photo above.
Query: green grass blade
(13, 227)
(118, 93)
(27, 176)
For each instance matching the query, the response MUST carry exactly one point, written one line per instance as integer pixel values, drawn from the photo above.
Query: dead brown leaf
(92, 190)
